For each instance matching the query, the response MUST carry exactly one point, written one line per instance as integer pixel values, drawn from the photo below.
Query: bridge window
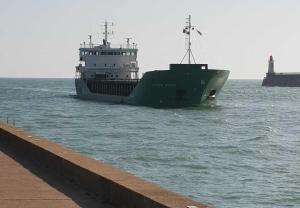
(91, 53)
(110, 53)
(116, 53)
(103, 53)
(128, 53)
(123, 53)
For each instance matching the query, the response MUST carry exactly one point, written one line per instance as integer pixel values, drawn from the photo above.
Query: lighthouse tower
(271, 65)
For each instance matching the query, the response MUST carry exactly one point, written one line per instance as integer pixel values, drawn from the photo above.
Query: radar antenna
(187, 31)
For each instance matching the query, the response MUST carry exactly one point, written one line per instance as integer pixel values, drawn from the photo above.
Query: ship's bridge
(108, 61)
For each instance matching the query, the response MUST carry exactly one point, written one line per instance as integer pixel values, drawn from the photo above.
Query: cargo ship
(110, 74)
(279, 79)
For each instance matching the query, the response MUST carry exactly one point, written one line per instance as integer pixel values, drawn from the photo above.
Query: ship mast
(107, 32)
(187, 30)
(90, 38)
(189, 35)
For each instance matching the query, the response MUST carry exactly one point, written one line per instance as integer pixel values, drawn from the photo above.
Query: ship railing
(119, 79)
(115, 80)
(112, 46)
(110, 68)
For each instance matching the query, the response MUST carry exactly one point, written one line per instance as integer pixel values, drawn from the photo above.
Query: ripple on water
(242, 151)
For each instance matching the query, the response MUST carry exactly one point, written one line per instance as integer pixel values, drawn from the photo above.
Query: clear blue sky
(41, 38)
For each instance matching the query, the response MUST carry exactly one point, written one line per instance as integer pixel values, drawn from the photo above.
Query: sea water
(242, 152)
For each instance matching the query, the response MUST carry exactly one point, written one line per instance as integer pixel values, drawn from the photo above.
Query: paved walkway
(23, 185)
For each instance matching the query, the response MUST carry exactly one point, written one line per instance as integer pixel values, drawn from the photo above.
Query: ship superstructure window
(98, 53)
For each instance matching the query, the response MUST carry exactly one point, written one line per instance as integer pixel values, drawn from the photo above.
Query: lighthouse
(271, 65)
(280, 79)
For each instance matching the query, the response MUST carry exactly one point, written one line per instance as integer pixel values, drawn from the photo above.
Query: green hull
(180, 87)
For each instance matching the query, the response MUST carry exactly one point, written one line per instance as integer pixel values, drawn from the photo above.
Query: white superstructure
(107, 62)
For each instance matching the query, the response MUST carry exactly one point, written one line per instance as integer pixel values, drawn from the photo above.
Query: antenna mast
(107, 32)
(128, 42)
(90, 38)
(189, 35)
(187, 30)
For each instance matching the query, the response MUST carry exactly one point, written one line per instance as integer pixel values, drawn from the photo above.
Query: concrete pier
(35, 172)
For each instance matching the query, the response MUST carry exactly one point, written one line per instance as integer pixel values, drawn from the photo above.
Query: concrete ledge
(104, 182)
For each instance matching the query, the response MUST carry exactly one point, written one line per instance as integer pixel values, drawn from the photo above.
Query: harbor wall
(281, 80)
(106, 183)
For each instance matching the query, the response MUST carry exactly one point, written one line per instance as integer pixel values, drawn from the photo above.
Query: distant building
(273, 79)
